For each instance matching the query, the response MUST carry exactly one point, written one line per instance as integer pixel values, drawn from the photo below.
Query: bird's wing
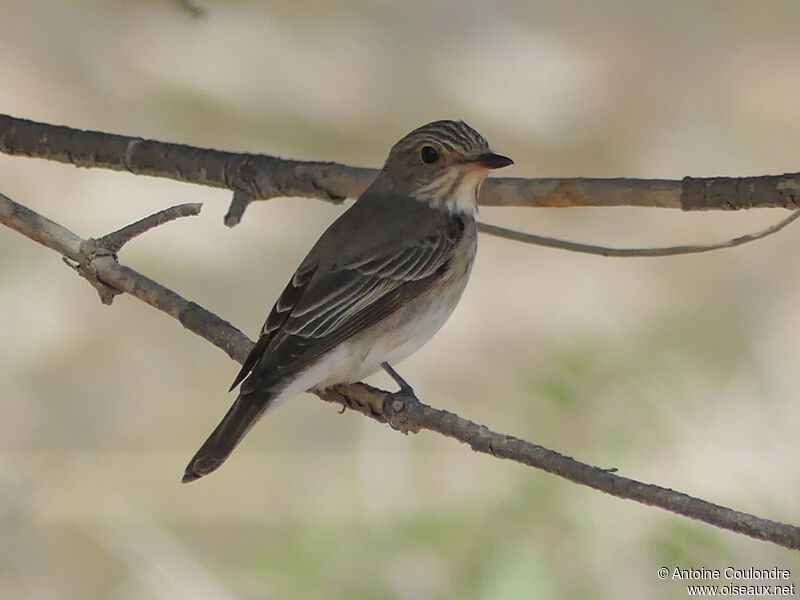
(322, 307)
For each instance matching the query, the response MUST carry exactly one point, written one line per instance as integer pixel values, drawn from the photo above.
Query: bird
(377, 285)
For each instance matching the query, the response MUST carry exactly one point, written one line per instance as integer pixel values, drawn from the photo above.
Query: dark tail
(233, 427)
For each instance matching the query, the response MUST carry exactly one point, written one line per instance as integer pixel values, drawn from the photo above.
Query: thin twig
(402, 413)
(538, 240)
(115, 240)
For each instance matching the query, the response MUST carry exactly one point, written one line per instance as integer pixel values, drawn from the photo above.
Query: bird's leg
(405, 389)
(397, 404)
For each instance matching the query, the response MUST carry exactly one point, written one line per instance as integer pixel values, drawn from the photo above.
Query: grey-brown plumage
(381, 280)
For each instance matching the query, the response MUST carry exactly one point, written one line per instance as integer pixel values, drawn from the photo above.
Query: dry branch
(122, 279)
(260, 176)
(402, 412)
(115, 240)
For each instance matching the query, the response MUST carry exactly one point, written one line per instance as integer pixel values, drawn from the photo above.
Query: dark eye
(428, 154)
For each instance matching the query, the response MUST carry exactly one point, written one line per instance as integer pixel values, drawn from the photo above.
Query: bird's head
(442, 163)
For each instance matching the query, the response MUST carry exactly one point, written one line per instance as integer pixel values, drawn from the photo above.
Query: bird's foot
(397, 404)
(405, 388)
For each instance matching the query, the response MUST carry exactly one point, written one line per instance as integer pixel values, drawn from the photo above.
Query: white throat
(454, 191)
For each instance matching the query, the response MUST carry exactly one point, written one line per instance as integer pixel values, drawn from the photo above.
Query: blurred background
(679, 371)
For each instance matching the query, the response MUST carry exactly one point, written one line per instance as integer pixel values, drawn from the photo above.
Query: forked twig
(115, 240)
(404, 414)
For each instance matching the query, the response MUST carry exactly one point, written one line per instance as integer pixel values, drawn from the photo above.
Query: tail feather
(227, 435)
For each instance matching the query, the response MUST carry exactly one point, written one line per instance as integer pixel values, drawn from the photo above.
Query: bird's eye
(428, 154)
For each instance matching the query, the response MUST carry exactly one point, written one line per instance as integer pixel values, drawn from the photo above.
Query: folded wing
(320, 308)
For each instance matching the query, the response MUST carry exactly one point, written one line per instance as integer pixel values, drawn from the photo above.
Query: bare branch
(239, 204)
(257, 176)
(549, 242)
(260, 176)
(41, 229)
(195, 318)
(411, 415)
(115, 240)
(92, 250)
(402, 412)
(90, 253)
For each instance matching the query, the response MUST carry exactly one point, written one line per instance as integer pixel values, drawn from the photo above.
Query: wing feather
(321, 307)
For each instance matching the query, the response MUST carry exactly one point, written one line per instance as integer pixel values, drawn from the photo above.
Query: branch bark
(260, 176)
(122, 279)
(404, 413)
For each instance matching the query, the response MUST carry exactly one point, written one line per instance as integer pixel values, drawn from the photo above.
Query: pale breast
(394, 338)
(405, 331)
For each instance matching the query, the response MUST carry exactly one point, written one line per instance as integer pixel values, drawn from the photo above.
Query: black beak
(493, 161)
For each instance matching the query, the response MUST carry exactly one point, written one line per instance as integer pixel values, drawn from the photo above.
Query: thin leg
(404, 387)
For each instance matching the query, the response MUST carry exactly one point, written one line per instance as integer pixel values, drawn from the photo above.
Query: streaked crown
(442, 163)
(456, 136)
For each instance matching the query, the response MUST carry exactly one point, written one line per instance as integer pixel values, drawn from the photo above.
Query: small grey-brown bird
(378, 284)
